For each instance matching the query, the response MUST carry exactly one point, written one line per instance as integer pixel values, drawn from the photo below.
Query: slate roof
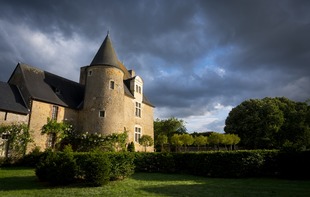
(11, 99)
(48, 87)
(106, 55)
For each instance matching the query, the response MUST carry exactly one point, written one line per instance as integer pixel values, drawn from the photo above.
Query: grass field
(23, 182)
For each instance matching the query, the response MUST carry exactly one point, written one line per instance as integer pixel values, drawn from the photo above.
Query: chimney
(132, 73)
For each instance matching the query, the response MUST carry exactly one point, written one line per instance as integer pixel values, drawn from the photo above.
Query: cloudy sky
(198, 59)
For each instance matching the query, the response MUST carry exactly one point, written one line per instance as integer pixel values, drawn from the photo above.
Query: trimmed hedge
(57, 168)
(95, 169)
(228, 164)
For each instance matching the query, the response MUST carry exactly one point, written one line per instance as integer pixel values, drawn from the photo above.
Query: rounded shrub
(96, 168)
(57, 168)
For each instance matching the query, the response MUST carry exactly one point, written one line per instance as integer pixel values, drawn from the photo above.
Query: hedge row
(228, 164)
(96, 169)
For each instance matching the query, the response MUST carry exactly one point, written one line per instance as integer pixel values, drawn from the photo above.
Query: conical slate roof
(106, 55)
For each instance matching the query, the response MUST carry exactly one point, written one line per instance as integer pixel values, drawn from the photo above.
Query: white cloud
(53, 52)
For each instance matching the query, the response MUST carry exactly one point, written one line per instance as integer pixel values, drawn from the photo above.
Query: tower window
(138, 109)
(54, 112)
(101, 113)
(90, 72)
(112, 84)
(137, 134)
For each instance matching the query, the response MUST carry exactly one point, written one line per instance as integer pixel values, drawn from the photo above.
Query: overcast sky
(198, 59)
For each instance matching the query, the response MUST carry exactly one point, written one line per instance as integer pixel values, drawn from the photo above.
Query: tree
(176, 141)
(187, 140)
(200, 141)
(161, 140)
(269, 123)
(146, 141)
(215, 139)
(168, 127)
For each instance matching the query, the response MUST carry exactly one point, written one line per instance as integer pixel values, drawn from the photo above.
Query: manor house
(108, 99)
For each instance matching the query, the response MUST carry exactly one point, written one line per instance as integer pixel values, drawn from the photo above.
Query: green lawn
(23, 182)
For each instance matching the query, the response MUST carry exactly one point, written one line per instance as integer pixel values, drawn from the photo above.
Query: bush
(57, 168)
(212, 164)
(31, 159)
(122, 165)
(131, 147)
(95, 168)
(155, 162)
(294, 165)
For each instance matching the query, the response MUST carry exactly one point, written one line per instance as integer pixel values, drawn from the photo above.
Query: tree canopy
(270, 123)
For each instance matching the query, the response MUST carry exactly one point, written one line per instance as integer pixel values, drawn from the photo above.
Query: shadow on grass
(20, 183)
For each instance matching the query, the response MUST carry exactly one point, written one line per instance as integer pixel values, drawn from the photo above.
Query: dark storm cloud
(191, 54)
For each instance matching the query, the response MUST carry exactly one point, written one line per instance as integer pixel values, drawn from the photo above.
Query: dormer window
(112, 85)
(57, 91)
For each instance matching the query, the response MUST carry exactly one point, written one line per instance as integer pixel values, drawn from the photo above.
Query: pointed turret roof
(106, 55)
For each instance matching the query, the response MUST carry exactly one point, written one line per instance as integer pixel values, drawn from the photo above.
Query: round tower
(103, 107)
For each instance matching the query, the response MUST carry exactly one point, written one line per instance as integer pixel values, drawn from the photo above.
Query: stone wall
(40, 111)
(99, 96)
(145, 122)
(10, 118)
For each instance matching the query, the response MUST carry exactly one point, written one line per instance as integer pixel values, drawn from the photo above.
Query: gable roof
(47, 87)
(11, 99)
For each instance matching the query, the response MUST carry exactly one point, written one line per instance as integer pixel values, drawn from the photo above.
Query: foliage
(187, 140)
(18, 139)
(270, 123)
(232, 163)
(57, 130)
(91, 168)
(146, 141)
(95, 169)
(200, 141)
(57, 168)
(93, 141)
(154, 162)
(162, 139)
(176, 141)
(30, 159)
(131, 147)
(122, 165)
(167, 127)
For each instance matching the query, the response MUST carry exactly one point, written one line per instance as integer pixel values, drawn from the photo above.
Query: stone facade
(112, 100)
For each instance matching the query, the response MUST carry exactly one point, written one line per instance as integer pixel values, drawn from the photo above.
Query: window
(101, 114)
(54, 112)
(137, 134)
(57, 91)
(138, 109)
(138, 89)
(90, 72)
(112, 84)
(51, 140)
(6, 116)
